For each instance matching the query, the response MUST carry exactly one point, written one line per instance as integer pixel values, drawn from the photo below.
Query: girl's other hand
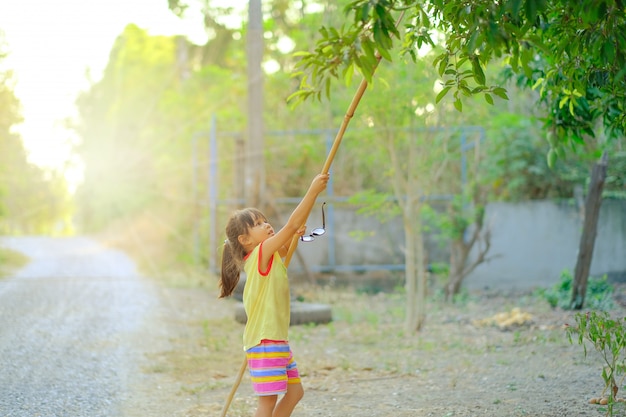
(301, 231)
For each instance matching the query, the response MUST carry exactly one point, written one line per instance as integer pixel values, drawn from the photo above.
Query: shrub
(608, 337)
(599, 293)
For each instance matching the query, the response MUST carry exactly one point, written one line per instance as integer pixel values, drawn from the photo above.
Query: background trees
(32, 200)
(567, 51)
(144, 124)
(573, 53)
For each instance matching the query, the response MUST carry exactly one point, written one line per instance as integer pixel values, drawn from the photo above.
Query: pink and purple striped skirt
(272, 367)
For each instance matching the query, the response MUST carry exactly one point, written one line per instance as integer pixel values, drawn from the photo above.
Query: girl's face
(257, 233)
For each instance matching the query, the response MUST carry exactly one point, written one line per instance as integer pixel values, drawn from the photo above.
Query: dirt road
(82, 334)
(72, 329)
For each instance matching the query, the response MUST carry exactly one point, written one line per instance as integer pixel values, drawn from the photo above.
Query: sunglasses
(319, 231)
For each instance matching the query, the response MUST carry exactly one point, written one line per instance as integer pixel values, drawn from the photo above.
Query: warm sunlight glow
(52, 44)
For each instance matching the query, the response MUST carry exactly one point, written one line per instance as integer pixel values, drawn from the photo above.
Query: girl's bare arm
(296, 220)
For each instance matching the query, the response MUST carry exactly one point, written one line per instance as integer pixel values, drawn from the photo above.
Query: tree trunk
(454, 286)
(421, 276)
(590, 228)
(415, 271)
(255, 176)
(410, 277)
(457, 262)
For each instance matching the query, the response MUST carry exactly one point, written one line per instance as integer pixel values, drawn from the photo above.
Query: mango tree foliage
(572, 52)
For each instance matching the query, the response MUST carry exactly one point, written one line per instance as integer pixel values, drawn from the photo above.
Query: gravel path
(69, 325)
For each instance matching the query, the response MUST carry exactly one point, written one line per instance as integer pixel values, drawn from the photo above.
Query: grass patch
(11, 261)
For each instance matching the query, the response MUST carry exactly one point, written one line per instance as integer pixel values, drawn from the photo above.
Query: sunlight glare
(51, 46)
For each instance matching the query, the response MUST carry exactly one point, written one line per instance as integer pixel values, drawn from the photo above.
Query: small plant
(608, 337)
(598, 297)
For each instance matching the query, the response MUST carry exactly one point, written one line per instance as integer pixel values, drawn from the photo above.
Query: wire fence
(218, 203)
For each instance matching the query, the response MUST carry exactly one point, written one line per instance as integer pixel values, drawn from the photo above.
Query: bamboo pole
(338, 138)
(233, 390)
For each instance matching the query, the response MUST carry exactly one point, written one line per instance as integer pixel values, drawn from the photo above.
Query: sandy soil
(462, 363)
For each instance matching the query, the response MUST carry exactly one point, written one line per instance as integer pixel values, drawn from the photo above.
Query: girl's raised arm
(296, 220)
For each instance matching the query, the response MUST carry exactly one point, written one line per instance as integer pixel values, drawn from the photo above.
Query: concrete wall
(535, 241)
(532, 243)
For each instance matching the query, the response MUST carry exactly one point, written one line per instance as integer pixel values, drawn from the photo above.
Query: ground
(364, 364)
(83, 333)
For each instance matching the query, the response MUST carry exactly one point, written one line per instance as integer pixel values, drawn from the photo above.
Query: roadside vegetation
(10, 261)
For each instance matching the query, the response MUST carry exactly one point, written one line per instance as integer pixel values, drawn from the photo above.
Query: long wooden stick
(342, 129)
(333, 150)
(233, 390)
(329, 160)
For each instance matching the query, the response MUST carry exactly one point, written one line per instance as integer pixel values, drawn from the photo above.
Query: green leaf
(461, 61)
(527, 56)
(385, 54)
(443, 65)
(368, 48)
(538, 83)
(551, 138)
(620, 75)
(531, 10)
(348, 73)
(365, 11)
(488, 98)
(442, 94)
(500, 92)
(515, 6)
(458, 104)
(301, 53)
(367, 72)
(299, 96)
(551, 158)
(608, 51)
(479, 75)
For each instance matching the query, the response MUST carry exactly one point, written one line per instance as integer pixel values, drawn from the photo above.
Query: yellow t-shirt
(266, 300)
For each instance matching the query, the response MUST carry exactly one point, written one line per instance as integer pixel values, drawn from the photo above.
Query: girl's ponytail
(230, 271)
(234, 252)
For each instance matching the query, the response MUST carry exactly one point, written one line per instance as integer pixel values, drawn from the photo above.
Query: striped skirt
(272, 367)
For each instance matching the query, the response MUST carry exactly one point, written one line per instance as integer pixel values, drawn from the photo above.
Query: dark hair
(233, 253)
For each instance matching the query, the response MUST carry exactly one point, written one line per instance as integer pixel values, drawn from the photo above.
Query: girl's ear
(243, 239)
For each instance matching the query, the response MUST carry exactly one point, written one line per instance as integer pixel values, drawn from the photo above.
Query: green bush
(599, 293)
(608, 337)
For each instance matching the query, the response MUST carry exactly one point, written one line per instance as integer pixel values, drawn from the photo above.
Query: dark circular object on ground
(301, 313)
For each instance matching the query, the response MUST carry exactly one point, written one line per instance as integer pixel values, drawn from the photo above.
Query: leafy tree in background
(116, 120)
(158, 93)
(572, 52)
(32, 200)
(144, 129)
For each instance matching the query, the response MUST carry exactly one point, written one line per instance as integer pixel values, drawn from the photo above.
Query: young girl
(252, 243)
